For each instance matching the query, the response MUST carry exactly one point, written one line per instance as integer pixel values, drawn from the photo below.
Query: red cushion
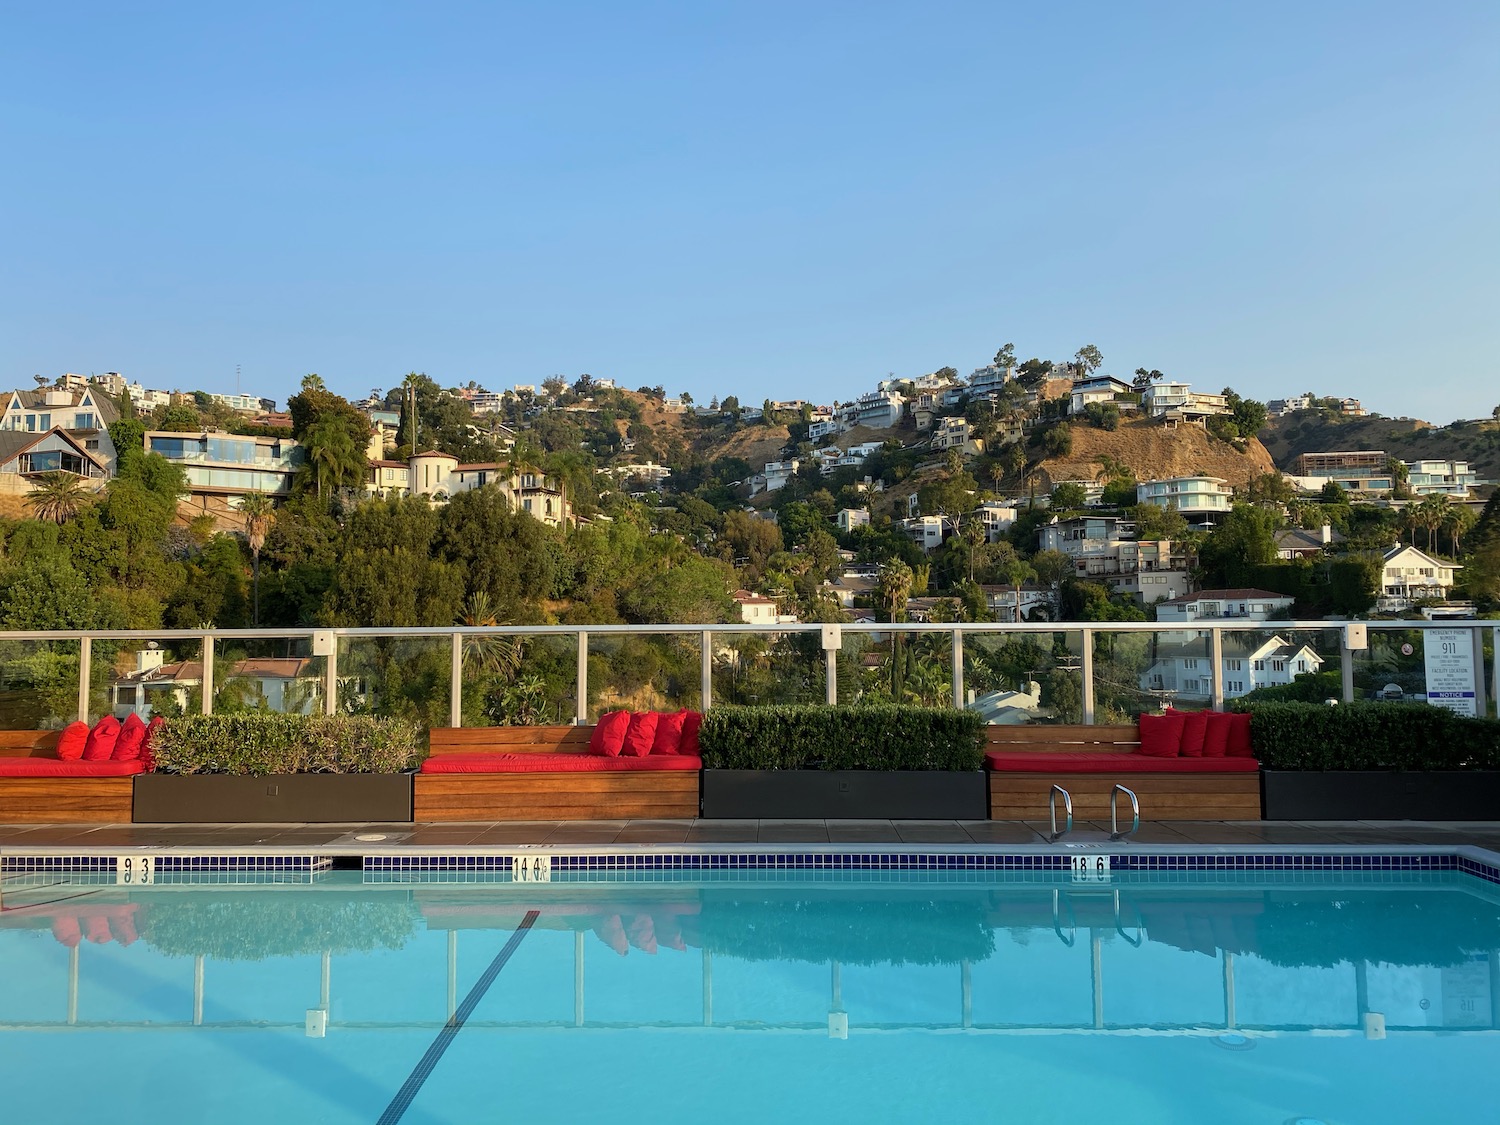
(1216, 737)
(1239, 737)
(132, 738)
(609, 734)
(1194, 728)
(71, 742)
(642, 932)
(690, 727)
(669, 733)
(640, 734)
(1161, 735)
(1021, 761)
(551, 763)
(54, 767)
(148, 747)
(100, 746)
(67, 931)
(612, 933)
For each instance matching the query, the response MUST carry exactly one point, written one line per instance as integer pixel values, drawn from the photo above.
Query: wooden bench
(1022, 795)
(636, 794)
(58, 800)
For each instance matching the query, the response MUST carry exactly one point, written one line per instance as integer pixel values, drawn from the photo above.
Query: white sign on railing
(1449, 657)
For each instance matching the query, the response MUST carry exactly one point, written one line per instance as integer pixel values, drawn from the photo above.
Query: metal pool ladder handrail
(1114, 812)
(1052, 809)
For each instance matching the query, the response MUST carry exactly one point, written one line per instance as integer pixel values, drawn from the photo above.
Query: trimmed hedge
(1371, 736)
(252, 926)
(804, 737)
(262, 743)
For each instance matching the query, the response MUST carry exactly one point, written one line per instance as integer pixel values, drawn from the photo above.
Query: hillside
(1152, 450)
(1309, 431)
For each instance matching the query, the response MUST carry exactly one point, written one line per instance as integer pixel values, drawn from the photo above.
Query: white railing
(1079, 653)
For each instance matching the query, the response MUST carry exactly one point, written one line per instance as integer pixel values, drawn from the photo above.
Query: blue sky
(766, 199)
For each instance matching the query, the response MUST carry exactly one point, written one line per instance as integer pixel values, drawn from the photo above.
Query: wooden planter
(200, 798)
(1381, 795)
(844, 794)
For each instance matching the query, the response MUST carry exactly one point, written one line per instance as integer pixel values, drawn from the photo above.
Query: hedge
(263, 743)
(1371, 736)
(246, 926)
(842, 738)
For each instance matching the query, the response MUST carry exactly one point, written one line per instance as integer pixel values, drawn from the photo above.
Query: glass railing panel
(519, 679)
(38, 684)
(147, 677)
(897, 666)
(402, 677)
(644, 672)
(768, 668)
(1448, 665)
(277, 674)
(1024, 677)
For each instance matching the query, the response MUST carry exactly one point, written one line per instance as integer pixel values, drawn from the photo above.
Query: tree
(1068, 495)
(57, 497)
(1456, 524)
(1005, 359)
(1144, 378)
(894, 587)
(176, 419)
(258, 513)
(1088, 358)
(1058, 440)
(1153, 522)
(1245, 540)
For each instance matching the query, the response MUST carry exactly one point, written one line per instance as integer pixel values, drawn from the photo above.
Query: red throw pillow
(132, 738)
(101, 742)
(609, 734)
(1216, 738)
(640, 734)
(70, 743)
(1194, 729)
(148, 744)
(690, 727)
(1239, 737)
(669, 733)
(1161, 735)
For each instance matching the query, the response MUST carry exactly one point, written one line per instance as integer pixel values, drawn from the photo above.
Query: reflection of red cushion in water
(668, 929)
(642, 933)
(66, 931)
(132, 737)
(612, 934)
(123, 927)
(96, 928)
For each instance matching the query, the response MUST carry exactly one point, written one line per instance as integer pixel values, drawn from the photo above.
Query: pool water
(868, 997)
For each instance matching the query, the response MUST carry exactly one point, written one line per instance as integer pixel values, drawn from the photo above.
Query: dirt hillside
(1152, 450)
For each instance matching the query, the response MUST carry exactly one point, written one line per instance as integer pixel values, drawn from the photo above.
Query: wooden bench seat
(1022, 794)
(58, 800)
(561, 795)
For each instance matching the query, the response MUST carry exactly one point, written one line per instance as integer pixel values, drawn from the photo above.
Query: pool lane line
(419, 1075)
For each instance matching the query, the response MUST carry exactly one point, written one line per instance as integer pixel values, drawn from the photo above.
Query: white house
(1097, 388)
(1105, 549)
(25, 457)
(1218, 605)
(997, 517)
(1443, 478)
(1197, 498)
(82, 413)
(775, 476)
(1179, 401)
(1009, 708)
(878, 410)
(757, 609)
(1185, 671)
(927, 531)
(289, 684)
(850, 518)
(1409, 575)
(817, 431)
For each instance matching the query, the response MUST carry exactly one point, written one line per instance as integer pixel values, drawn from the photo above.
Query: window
(1278, 665)
(1190, 662)
(92, 445)
(45, 422)
(31, 423)
(1190, 685)
(1302, 666)
(1260, 665)
(84, 422)
(1235, 665)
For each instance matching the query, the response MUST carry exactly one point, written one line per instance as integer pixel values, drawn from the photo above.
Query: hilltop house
(1178, 402)
(1105, 549)
(1096, 388)
(1360, 472)
(223, 469)
(82, 413)
(1409, 575)
(953, 433)
(1219, 605)
(1296, 543)
(1184, 671)
(24, 457)
(440, 477)
(1200, 499)
(850, 518)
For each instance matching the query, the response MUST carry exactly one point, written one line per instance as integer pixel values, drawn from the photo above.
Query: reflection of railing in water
(824, 652)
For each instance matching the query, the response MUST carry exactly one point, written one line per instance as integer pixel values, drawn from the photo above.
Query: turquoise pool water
(1251, 999)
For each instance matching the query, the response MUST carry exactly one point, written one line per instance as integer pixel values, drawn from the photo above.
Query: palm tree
(488, 655)
(894, 586)
(1458, 522)
(258, 513)
(1431, 513)
(57, 496)
(332, 453)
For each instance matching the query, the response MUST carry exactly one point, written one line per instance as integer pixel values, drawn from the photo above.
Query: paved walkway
(732, 832)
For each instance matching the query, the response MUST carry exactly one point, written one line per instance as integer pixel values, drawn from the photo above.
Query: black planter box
(200, 798)
(1380, 795)
(845, 795)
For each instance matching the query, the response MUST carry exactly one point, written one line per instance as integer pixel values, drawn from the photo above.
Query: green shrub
(855, 932)
(1371, 736)
(259, 743)
(842, 738)
(252, 926)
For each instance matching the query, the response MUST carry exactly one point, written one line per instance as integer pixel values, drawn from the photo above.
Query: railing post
(1481, 704)
(833, 643)
(706, 671)
(85, 673)
(1088, 676)
(1346, 662)
(1216, 673)
(331, 677)
(958, 668)
(456, 683)
(581, 712)
(208, 673)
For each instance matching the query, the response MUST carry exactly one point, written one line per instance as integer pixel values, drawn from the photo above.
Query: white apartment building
(1217, 605)
(649, 472)
(927, 532)
(1197, 498)
(1105, 549)
(224, 468)
(774, 476)
(988, 380)
(1278, 407)
(878, 410)
(1431, 477)
(1185, 671)
(817, 431)
(1098, 388)
(997, 517)
(1409, 575)
(1178, 401)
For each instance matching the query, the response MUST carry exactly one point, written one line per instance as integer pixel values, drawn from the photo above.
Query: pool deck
(341, 838)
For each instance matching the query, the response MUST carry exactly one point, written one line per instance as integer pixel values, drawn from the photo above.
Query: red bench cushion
(132, 738)
(555, 763)
(56, 767)
(1161, 735)
(100, 746)
(669, 732)
(1239, 737)
(70, 743)
(1216, 737)
(690, 728)
(1020, 761)
(1194, 730)
(608, 738)
(639, 734)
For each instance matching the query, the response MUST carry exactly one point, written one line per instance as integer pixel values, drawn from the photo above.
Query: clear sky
(760, 198)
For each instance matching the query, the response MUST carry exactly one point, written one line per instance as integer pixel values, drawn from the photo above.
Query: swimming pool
(736, 995)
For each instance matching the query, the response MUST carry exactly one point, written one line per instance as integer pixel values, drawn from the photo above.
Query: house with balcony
(850, 518)
(222, 469)
(1434, 477)
(774, 477)
(1178, 402)
(953, 433)
(1096, 388)
(1359, 472)
(25, 458)
(249, 405)
(1249, 660)
(1409, 576)
(996, 516)
(824, 428)
(1224, 605)
(986, 381)
(1200, 499)
(1105, 549)
(82, 412)
(928, 532)
(878, 410)
(1279, 407)
(440, 477)
(1036, 602)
